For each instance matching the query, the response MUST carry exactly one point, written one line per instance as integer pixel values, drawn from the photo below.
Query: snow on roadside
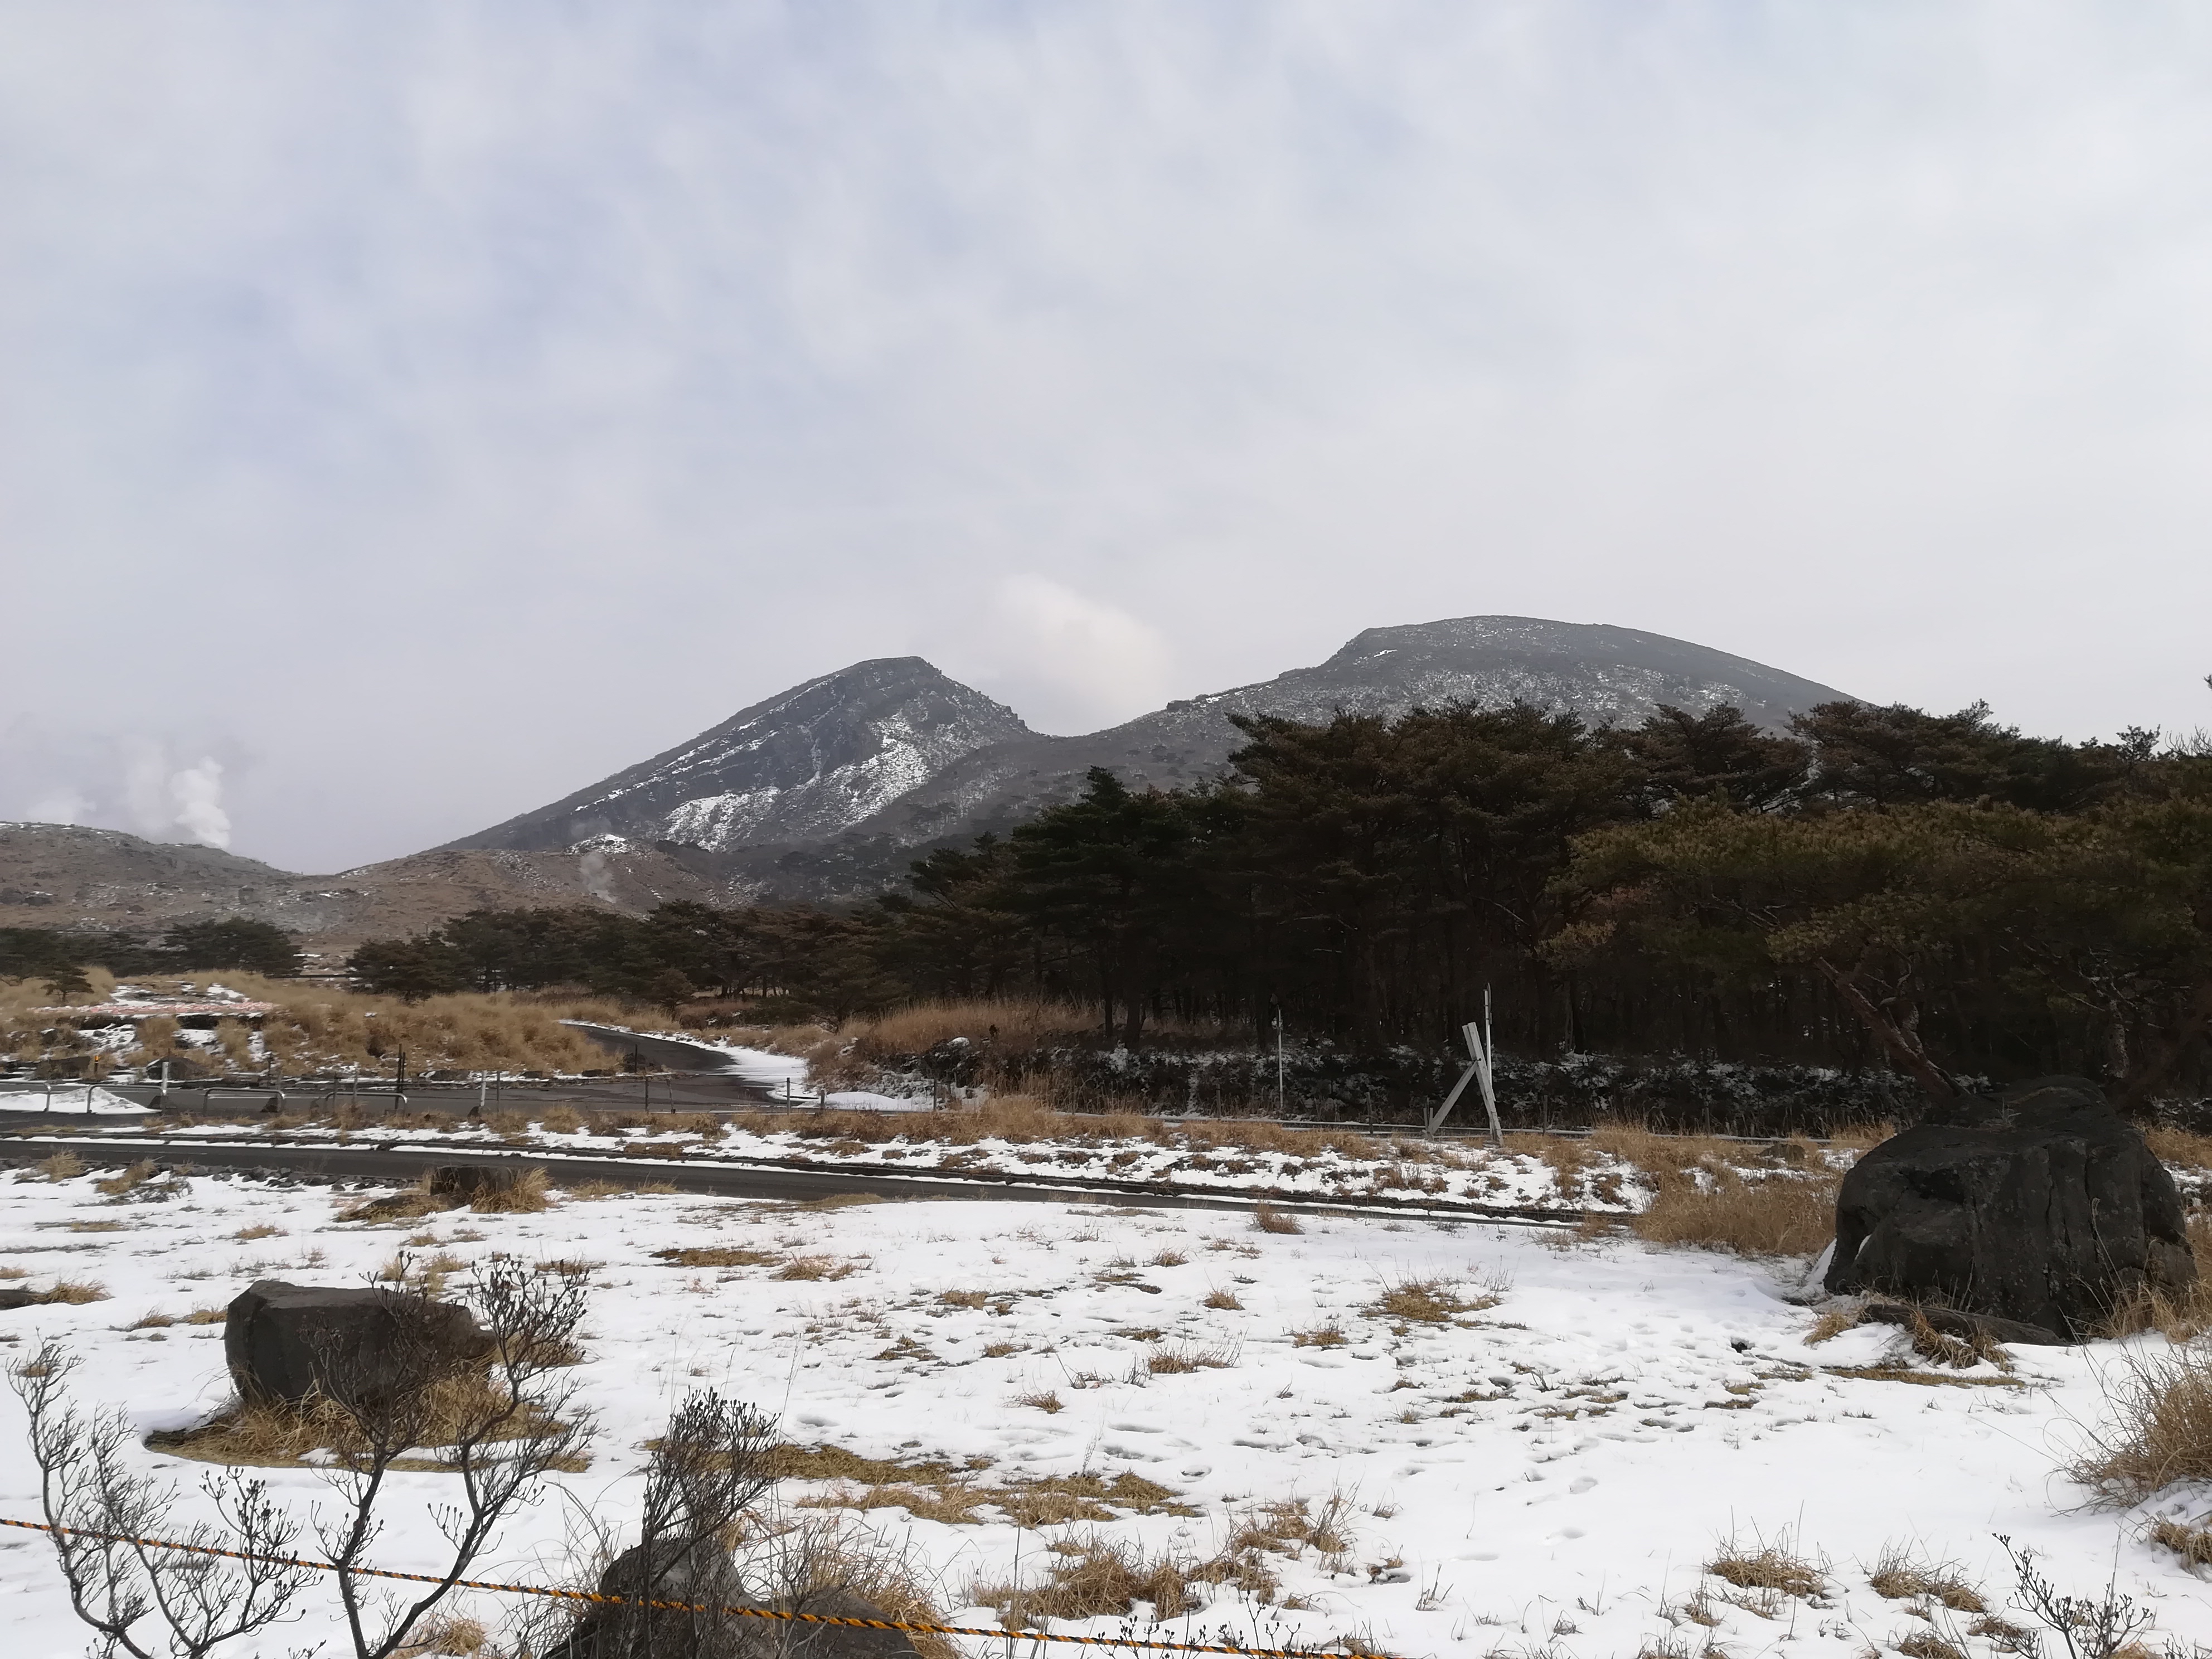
(79, 1098)
(1547, 1474)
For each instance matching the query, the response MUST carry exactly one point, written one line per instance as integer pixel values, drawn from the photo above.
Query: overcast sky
(411, 412)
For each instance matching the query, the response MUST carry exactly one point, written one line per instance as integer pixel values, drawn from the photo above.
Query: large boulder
(284, 1342)
(2045, 1208)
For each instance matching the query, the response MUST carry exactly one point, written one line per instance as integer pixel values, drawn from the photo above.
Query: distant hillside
(54, 875)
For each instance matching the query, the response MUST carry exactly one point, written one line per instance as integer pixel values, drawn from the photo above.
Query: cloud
(482, 397)
(1075, 663)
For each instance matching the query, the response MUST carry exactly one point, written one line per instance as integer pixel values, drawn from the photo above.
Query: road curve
(404, 1164)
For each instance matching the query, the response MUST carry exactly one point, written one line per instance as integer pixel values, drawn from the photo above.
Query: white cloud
(1074, 663)
(449, 378)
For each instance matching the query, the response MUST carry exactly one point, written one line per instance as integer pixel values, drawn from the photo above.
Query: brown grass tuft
(1771, 1568)
(1330, 1335)
(1699, 1199)
(129, 1180)
(2192, 1543)
(1834, 1322)
(77, 1291)
(1224, 1299)
(1269, 1219)
(528, 1196)
(1430, 1301)
(560, 1120)
(1047, 1400)
(2158, 1427)
(715, 1255)
(1902, 1576)
(811, 1268)
(63, 1165)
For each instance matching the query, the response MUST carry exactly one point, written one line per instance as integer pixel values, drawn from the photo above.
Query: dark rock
(1952, 1322)
(2045, 1208)
(283, 1340)
(709, 1582)
(468, 1182)
(14, 1295)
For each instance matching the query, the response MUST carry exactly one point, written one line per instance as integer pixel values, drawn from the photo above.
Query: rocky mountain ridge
(828, 791)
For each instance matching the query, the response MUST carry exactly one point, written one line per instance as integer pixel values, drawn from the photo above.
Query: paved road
(405, 1164)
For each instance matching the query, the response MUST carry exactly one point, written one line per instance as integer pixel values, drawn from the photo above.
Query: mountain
(799, 768)
(58, 875)
(1605, 674)
(829, 790)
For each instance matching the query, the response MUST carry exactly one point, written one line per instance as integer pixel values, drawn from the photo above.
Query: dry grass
(1329, 1335)
(1927, 1644)
(129, 1180)
(1097, 1578)
(715, 1255)
(528, 1196)
(61, 1166)
(841, 1202)
(815, 1268)
(2192, 1543)
(1902, 1576)
(247, 1235)
(1961, 1353)
(2158, 1426)
(1184, 1357)
(1771, 1567)
(1224, 1299)
(1834, 1322)
(207, 1317)
(1269, 1219)
(448, 1634)
(1169, 1258)
(2180, 1316)
(1047, 1400)
(273, 1434)
(76, 1291)
(1700, 1197)
(1291, 1524)
(1430, 1301)
(560, 1120)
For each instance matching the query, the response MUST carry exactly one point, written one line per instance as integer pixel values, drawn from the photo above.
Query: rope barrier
(684, 1606)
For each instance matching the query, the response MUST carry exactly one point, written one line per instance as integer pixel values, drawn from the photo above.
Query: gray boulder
(2045, 1208)
(356, 1345)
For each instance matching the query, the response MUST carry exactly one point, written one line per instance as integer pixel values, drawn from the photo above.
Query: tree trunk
(1900, 1045)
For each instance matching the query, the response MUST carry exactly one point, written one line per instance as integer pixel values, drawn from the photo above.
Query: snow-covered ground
(1547, 1474)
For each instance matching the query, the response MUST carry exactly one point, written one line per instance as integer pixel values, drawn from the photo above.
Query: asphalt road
(401, 1165)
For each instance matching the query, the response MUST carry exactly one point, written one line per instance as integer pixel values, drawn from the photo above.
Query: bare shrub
(117, 1587)
(2102, 1629)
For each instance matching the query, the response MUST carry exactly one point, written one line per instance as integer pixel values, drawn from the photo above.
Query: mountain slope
(800, 767)
(1606, 674)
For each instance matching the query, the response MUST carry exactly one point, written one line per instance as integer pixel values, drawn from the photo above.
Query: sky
(415, 411)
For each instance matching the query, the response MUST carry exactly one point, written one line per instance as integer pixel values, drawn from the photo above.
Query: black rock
(2045, 1208)
(283, 1340)
(467, 1183)
(710, 1583)
(14, 1295)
